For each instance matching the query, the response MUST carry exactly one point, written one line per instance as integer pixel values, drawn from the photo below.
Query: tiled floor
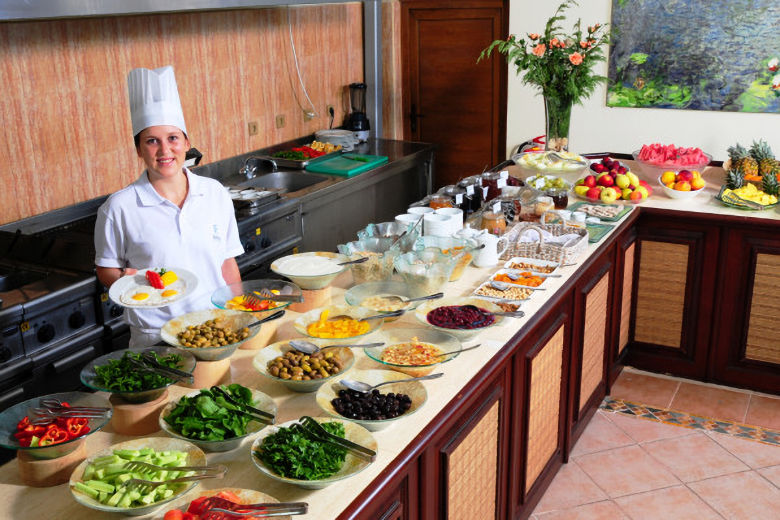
(625, 466)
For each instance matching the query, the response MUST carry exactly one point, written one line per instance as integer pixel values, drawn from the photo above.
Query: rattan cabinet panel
(763, 334)
(594, 339)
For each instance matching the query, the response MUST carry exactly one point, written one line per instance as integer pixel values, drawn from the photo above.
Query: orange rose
(533, 36)
(584, 44)
(554, 42)
(539, 50)
(575, 58)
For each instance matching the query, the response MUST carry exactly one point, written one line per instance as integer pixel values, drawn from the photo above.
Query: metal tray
(300, 165)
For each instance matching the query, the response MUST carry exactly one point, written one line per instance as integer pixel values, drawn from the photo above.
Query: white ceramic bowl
(259, 400)
(422, 311)
(282, 267)
(352, 464)
(414, 389)
(267, 354)
(195, 457)
(677, 194)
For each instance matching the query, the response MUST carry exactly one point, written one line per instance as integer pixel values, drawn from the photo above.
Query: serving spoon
(364, 388)
(351, 262)
(393, 298)
(307, 347)
(510, 314)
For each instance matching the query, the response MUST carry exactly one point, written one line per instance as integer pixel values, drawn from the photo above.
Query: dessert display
(612, 181)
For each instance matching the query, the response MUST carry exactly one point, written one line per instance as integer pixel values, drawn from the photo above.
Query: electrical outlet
(253, 128)
(280, 121)
(330, 109)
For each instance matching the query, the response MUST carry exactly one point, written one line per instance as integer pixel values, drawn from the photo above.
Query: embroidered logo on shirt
(215, 232)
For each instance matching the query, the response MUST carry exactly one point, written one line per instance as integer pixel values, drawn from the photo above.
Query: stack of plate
(345, 138)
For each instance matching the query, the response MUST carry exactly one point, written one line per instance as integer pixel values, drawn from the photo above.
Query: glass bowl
(195, 457)
(540, 163)
(422, 311)
(247, 496)
(293, 267)
(653, 170)
(358, 295)
(259, 400)
(302, 322)
(452, 247)
(11, 416)
(222, 296)
(380, 252)
(444, 340)
(234, 320)
(414, 389)
(352, 464)
(677, 194)
(89, 376)
(392, 230)
(425, 271)
(271, 352)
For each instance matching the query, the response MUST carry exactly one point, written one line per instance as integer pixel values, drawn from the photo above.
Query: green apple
(643, 191)
(579, 182)
(582, 191)
(633, 178)
(622, 181)
(609, 195)
(627, 193)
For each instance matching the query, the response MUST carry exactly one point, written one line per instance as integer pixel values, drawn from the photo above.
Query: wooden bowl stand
(137, 418)
(49, 472)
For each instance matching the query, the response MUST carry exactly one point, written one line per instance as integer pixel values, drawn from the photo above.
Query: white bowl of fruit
(609, 181)
(684, 184)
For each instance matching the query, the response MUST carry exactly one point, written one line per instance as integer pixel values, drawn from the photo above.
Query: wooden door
(450, 99)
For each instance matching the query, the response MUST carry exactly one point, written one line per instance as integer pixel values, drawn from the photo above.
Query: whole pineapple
(741, 160)
(762, 153)
(770, 184)
(735, 178)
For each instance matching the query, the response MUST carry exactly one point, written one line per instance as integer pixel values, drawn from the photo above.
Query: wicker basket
(567, 253)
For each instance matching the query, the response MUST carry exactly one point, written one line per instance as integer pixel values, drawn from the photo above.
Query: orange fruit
(667, 177)
(696, 174)
(670, 185)
(697, 183)
(682, 186)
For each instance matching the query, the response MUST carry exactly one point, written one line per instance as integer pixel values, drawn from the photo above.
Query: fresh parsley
(294, 455)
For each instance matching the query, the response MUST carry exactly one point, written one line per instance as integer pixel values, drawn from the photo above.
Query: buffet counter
(502, 420)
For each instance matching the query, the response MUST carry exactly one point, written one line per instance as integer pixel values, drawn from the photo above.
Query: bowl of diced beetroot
(463, 317)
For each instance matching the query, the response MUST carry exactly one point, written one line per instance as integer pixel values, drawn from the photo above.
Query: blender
(357, 121)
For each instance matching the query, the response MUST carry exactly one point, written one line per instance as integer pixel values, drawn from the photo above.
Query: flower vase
(557, 114)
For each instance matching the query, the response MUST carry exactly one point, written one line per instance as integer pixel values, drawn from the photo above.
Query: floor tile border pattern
(686, 420)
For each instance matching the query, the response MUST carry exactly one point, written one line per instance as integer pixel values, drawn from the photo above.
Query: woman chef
(169, 217)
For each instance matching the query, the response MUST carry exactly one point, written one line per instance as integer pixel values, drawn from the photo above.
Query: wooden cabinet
(673, 291)
(746, 343)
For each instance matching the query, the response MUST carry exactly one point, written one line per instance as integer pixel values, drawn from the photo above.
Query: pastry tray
(625, 208)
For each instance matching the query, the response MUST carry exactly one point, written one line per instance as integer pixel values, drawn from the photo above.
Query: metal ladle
(307, 347)
(359, 386)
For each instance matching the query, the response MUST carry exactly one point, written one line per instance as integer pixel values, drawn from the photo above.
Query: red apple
(606, 180)
(590, 181)
(598, 167)
(685, 175)
(594, 193)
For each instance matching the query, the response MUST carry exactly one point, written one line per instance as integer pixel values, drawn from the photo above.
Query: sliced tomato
(195, 505)
(229, 495)
(174, 514)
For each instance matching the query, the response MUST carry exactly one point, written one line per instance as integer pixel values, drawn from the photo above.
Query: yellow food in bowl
(341, 328)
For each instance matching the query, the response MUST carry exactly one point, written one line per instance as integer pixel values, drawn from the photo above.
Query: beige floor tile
(754, 454)
(571, 487)
(600, 434)
(599, 511)
(694, 457)
(717, 403)
(674, 503)
(739, 496)
(644, 389)
(646, 430)
(772, 474)
(764, 411)
(625, 471)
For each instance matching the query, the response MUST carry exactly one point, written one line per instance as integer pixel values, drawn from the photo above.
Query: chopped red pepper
(154, 279)
(24, 423)
(75, 426)
(54, 434)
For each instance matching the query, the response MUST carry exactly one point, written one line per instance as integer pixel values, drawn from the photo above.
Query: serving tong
(311, 428)
(255, 414)
(202, 473)
(503, 286)
(510, 314)
(54, 409)
(266, 294)
(149, 364)
(511, 272)
(213, 508)
(307, 347)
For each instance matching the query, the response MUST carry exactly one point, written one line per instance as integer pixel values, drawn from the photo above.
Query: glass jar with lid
(473, 187)
(543, 204)
(458, 196)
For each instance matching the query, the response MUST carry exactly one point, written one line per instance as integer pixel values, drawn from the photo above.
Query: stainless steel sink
(284, 181)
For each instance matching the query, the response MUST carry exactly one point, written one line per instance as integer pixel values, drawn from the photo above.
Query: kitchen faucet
(249, 170)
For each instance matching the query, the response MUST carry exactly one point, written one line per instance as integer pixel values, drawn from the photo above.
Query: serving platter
(121, 289)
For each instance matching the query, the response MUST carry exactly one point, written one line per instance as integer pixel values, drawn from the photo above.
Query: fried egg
(144, 295)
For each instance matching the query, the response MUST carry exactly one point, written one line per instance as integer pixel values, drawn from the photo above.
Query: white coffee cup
(419, 210)
(456, 221)
(437, 225)
(406, 218)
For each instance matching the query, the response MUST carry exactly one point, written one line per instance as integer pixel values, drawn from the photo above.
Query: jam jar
(493, 181)
(458, 196)
(473, 187)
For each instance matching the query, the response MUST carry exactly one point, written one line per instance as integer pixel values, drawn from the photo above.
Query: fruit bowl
(678, 194)
(654, 170)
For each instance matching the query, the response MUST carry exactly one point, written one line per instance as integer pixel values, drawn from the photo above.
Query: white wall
(598, 128)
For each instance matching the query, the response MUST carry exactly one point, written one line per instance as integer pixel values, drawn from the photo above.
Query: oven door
(57, 368)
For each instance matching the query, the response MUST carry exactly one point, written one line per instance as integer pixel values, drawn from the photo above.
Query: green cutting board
(346, 166)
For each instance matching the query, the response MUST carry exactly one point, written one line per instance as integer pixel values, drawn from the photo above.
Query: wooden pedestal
(312, 299)
(49, 472)
(137, 418)
(263, 336)
(210, 373)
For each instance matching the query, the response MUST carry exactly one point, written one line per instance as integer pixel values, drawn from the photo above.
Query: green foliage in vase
(559, 64)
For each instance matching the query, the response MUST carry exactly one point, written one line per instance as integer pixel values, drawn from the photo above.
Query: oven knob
(46, 333)
(5, 354)
(77, 320)
(265, 242)
(116, 311)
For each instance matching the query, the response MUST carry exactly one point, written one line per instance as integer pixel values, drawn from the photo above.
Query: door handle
(413, 116)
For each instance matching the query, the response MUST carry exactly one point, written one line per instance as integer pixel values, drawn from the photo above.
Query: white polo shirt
(138, 228)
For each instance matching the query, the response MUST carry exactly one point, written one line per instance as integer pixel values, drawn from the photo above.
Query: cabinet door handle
(414, 116)
(83, 355)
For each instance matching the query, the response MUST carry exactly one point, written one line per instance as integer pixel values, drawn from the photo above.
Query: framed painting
(696, 55)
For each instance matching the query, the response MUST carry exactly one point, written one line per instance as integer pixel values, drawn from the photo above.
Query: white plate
(138, 280)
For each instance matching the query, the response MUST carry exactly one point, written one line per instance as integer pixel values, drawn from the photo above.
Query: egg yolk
(140, 296)
(168, 293)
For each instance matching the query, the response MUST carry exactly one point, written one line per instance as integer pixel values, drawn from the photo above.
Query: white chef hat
(154, 99)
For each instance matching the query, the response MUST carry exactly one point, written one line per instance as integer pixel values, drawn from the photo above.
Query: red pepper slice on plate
(54, 434)
(75, 426)
(154, 279)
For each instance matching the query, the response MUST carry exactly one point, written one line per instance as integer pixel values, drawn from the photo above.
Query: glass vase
(557, 115)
